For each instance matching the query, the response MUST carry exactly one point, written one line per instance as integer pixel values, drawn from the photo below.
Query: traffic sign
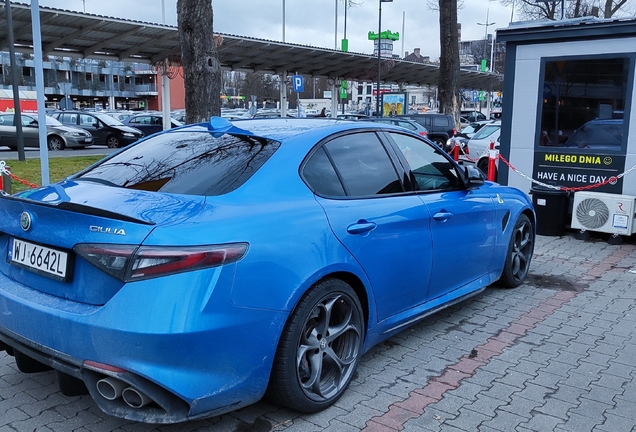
(299, 83)
(475, 96)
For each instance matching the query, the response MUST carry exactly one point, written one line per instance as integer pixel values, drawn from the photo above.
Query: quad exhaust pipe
(112, 388)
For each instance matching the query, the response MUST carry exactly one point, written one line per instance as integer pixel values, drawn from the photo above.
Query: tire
(314, 367)
(55, 143)
(519, 254)
(113, 142)
(440, 142)
(483, 167)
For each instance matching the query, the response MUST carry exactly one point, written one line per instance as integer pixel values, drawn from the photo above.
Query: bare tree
(448, 83)
(200, 60)
(533, 10)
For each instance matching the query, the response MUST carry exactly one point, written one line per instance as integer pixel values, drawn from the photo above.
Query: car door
(95, 127)
(462, 223)
(8, 134)
(30, 131)
(384, 228)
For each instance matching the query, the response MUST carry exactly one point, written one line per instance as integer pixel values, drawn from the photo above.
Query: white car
(476, 149)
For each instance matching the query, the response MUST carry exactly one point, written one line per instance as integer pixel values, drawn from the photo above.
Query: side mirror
(474, 176)
(96, 125)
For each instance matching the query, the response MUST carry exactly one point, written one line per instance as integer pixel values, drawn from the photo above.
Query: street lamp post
(377, 96)
(487, 24)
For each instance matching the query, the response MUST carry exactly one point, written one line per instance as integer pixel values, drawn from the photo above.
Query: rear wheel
(55, 143)
(113, 142)
(319, 348)
(519, 253)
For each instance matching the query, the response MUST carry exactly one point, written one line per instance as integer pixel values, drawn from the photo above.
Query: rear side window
(321, 176)
(187, 162)
(441, 121)
(68, 118)
(364, 165)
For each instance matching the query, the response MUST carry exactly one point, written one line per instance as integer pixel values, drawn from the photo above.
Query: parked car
(199, 269)
(478, 146)
(58, 136)
(461, 138)
(440, 126)
(606, 134)
(120, 115)
(405, 123)
(473, 116)
(352, 116)
(105, 129)
(179, 115)
(149, 123)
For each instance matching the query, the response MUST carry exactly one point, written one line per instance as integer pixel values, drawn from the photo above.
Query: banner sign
(579, 170)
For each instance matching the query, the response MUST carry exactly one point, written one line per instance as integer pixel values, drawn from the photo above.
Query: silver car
(58, 136)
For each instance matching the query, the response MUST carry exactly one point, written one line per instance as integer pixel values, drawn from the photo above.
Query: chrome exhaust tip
(111, 388)
(134, 398)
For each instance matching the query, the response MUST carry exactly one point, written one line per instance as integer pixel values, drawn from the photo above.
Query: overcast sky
(312, 22)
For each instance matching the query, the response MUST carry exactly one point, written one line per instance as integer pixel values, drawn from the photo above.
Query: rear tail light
(423, 133)
(131, 263)
(454, 131)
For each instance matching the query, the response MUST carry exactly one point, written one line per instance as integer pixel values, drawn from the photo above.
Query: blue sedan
(202, 268)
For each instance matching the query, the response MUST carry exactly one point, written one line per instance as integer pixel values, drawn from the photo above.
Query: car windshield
(486, 131)
(185, 162)
(109, 120)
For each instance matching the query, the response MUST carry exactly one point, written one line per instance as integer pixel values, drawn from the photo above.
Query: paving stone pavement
(556, 354)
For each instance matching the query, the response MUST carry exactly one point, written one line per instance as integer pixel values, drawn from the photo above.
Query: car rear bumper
(204, 361)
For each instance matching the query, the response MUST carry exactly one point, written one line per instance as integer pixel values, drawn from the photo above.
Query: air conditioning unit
(604, 212)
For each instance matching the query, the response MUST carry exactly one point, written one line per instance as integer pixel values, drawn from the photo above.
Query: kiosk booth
(567, 122)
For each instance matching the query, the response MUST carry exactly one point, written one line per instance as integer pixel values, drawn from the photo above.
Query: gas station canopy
(74, 34)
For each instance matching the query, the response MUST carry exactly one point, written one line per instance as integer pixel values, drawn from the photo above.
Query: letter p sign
(299, 84)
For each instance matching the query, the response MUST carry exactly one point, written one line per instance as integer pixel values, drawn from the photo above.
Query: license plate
(88, 139)
(39, 259)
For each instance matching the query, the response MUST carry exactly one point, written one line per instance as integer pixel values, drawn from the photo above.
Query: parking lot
(556, 354)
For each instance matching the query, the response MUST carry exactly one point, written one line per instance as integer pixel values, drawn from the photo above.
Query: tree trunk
(200, 60)
(448, 83)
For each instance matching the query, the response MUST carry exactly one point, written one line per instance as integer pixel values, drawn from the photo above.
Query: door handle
(442, 216)
(361, 227)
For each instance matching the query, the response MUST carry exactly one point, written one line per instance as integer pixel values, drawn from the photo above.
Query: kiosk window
(583, 103)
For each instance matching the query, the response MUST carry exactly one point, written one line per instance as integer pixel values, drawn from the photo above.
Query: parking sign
(299, 84)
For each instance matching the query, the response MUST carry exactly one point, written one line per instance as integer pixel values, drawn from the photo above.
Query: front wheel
(113, 142)
(519, 253)
(55, 143)
(319, 348)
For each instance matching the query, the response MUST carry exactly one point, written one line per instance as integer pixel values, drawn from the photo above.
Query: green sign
(343, 93)
(482, 95)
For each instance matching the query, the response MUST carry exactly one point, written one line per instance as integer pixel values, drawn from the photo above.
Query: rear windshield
(185, 162)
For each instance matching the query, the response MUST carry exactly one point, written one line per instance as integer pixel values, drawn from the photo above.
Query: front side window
(186, 162)
(363, 165)
(432, 171)
(87, 120)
